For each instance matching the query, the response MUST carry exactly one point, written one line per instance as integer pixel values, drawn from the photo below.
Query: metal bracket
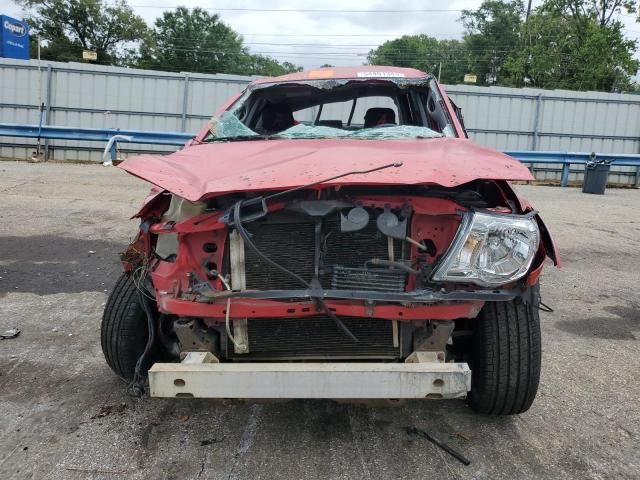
(426, 357)
(435, 336)
(238, 282)
(193, 337)
(198, 358)
(369, 305)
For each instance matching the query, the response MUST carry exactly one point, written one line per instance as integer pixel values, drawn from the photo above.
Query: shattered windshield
(371, 109)
(372, 133)
(229, 127)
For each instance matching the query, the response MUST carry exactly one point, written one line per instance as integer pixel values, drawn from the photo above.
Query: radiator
(292, 244)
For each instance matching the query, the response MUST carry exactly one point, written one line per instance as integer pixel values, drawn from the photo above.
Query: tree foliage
(600, 11)
(180, 40)
(192, 41)
(574, 44)
(197, 41)
(492, 33)
(569, 44)
(556, 53)
(66, 27)
(447, 57)
(262, 65)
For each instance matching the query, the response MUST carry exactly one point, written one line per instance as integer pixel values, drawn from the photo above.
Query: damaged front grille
(317, 338)
(353, 249)
(294, 243)
(288, 244)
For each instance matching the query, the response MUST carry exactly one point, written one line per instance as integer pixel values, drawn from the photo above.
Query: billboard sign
(14, 38)
(470, 78)
(89, 55)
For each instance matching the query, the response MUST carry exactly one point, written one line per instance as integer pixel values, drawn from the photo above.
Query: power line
(307, 10)
(342, 55)
(322, 35)
(397, 36)
(217, 49)
(191, 41)
(197, 43)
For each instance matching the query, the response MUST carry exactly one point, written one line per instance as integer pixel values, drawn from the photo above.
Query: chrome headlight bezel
(480, 234)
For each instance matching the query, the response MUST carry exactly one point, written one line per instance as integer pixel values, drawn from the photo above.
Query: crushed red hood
(208, 170)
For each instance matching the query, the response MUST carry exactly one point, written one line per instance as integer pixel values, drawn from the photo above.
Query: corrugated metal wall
(560, 120)
(80, 95)
(553, 120)
(84, 95)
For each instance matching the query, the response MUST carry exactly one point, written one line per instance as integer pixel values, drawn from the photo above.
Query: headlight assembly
(490, 250)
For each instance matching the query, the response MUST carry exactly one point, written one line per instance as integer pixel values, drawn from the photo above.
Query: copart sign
(14, 38)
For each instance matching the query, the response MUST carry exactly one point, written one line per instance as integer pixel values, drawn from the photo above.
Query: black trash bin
(595, 177)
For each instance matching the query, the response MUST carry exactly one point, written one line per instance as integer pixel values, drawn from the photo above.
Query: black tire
(506, 355)
(124, 330)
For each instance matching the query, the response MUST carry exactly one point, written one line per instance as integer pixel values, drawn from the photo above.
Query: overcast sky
(313, 38)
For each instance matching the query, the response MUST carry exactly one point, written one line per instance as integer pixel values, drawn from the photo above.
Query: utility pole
(494, 69)
(40, 102)
(528, 11)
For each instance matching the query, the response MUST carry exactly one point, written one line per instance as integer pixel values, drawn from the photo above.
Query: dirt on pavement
(65, 415)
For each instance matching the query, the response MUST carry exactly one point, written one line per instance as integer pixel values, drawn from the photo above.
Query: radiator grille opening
(353, 249)
(317, 338)
(290, 245)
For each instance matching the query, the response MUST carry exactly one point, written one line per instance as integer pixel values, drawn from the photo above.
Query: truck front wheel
(124, 331)
(505, 356)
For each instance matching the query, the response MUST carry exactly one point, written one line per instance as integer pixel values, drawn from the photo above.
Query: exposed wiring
(309, 185)
(543, 307)
(420, 245)
(224, 282)
(227, 314)
(170, 344)
(247, 239)
(137, 277)
(137, 385)
(228, 327)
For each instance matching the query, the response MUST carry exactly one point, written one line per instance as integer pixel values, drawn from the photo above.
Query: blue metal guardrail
(110, 135)
(566, 159)
(92, 134)
(114, 136)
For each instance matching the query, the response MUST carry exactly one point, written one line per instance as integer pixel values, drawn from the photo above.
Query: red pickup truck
(333, 234)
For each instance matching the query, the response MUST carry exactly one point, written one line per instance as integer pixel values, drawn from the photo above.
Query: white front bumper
(310, 380)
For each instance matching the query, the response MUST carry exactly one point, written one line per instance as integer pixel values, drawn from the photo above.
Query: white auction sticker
(381, 74)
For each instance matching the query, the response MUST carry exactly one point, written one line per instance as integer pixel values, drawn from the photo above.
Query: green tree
(262, 65)
(561, 49)
(66, 27)
(192, 41)
(541, 54)
(604, 60)
(492, 32)
(197, 41)
(424, 53)
(601, 11)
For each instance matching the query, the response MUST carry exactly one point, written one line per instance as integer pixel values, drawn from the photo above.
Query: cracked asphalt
(64, 415)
